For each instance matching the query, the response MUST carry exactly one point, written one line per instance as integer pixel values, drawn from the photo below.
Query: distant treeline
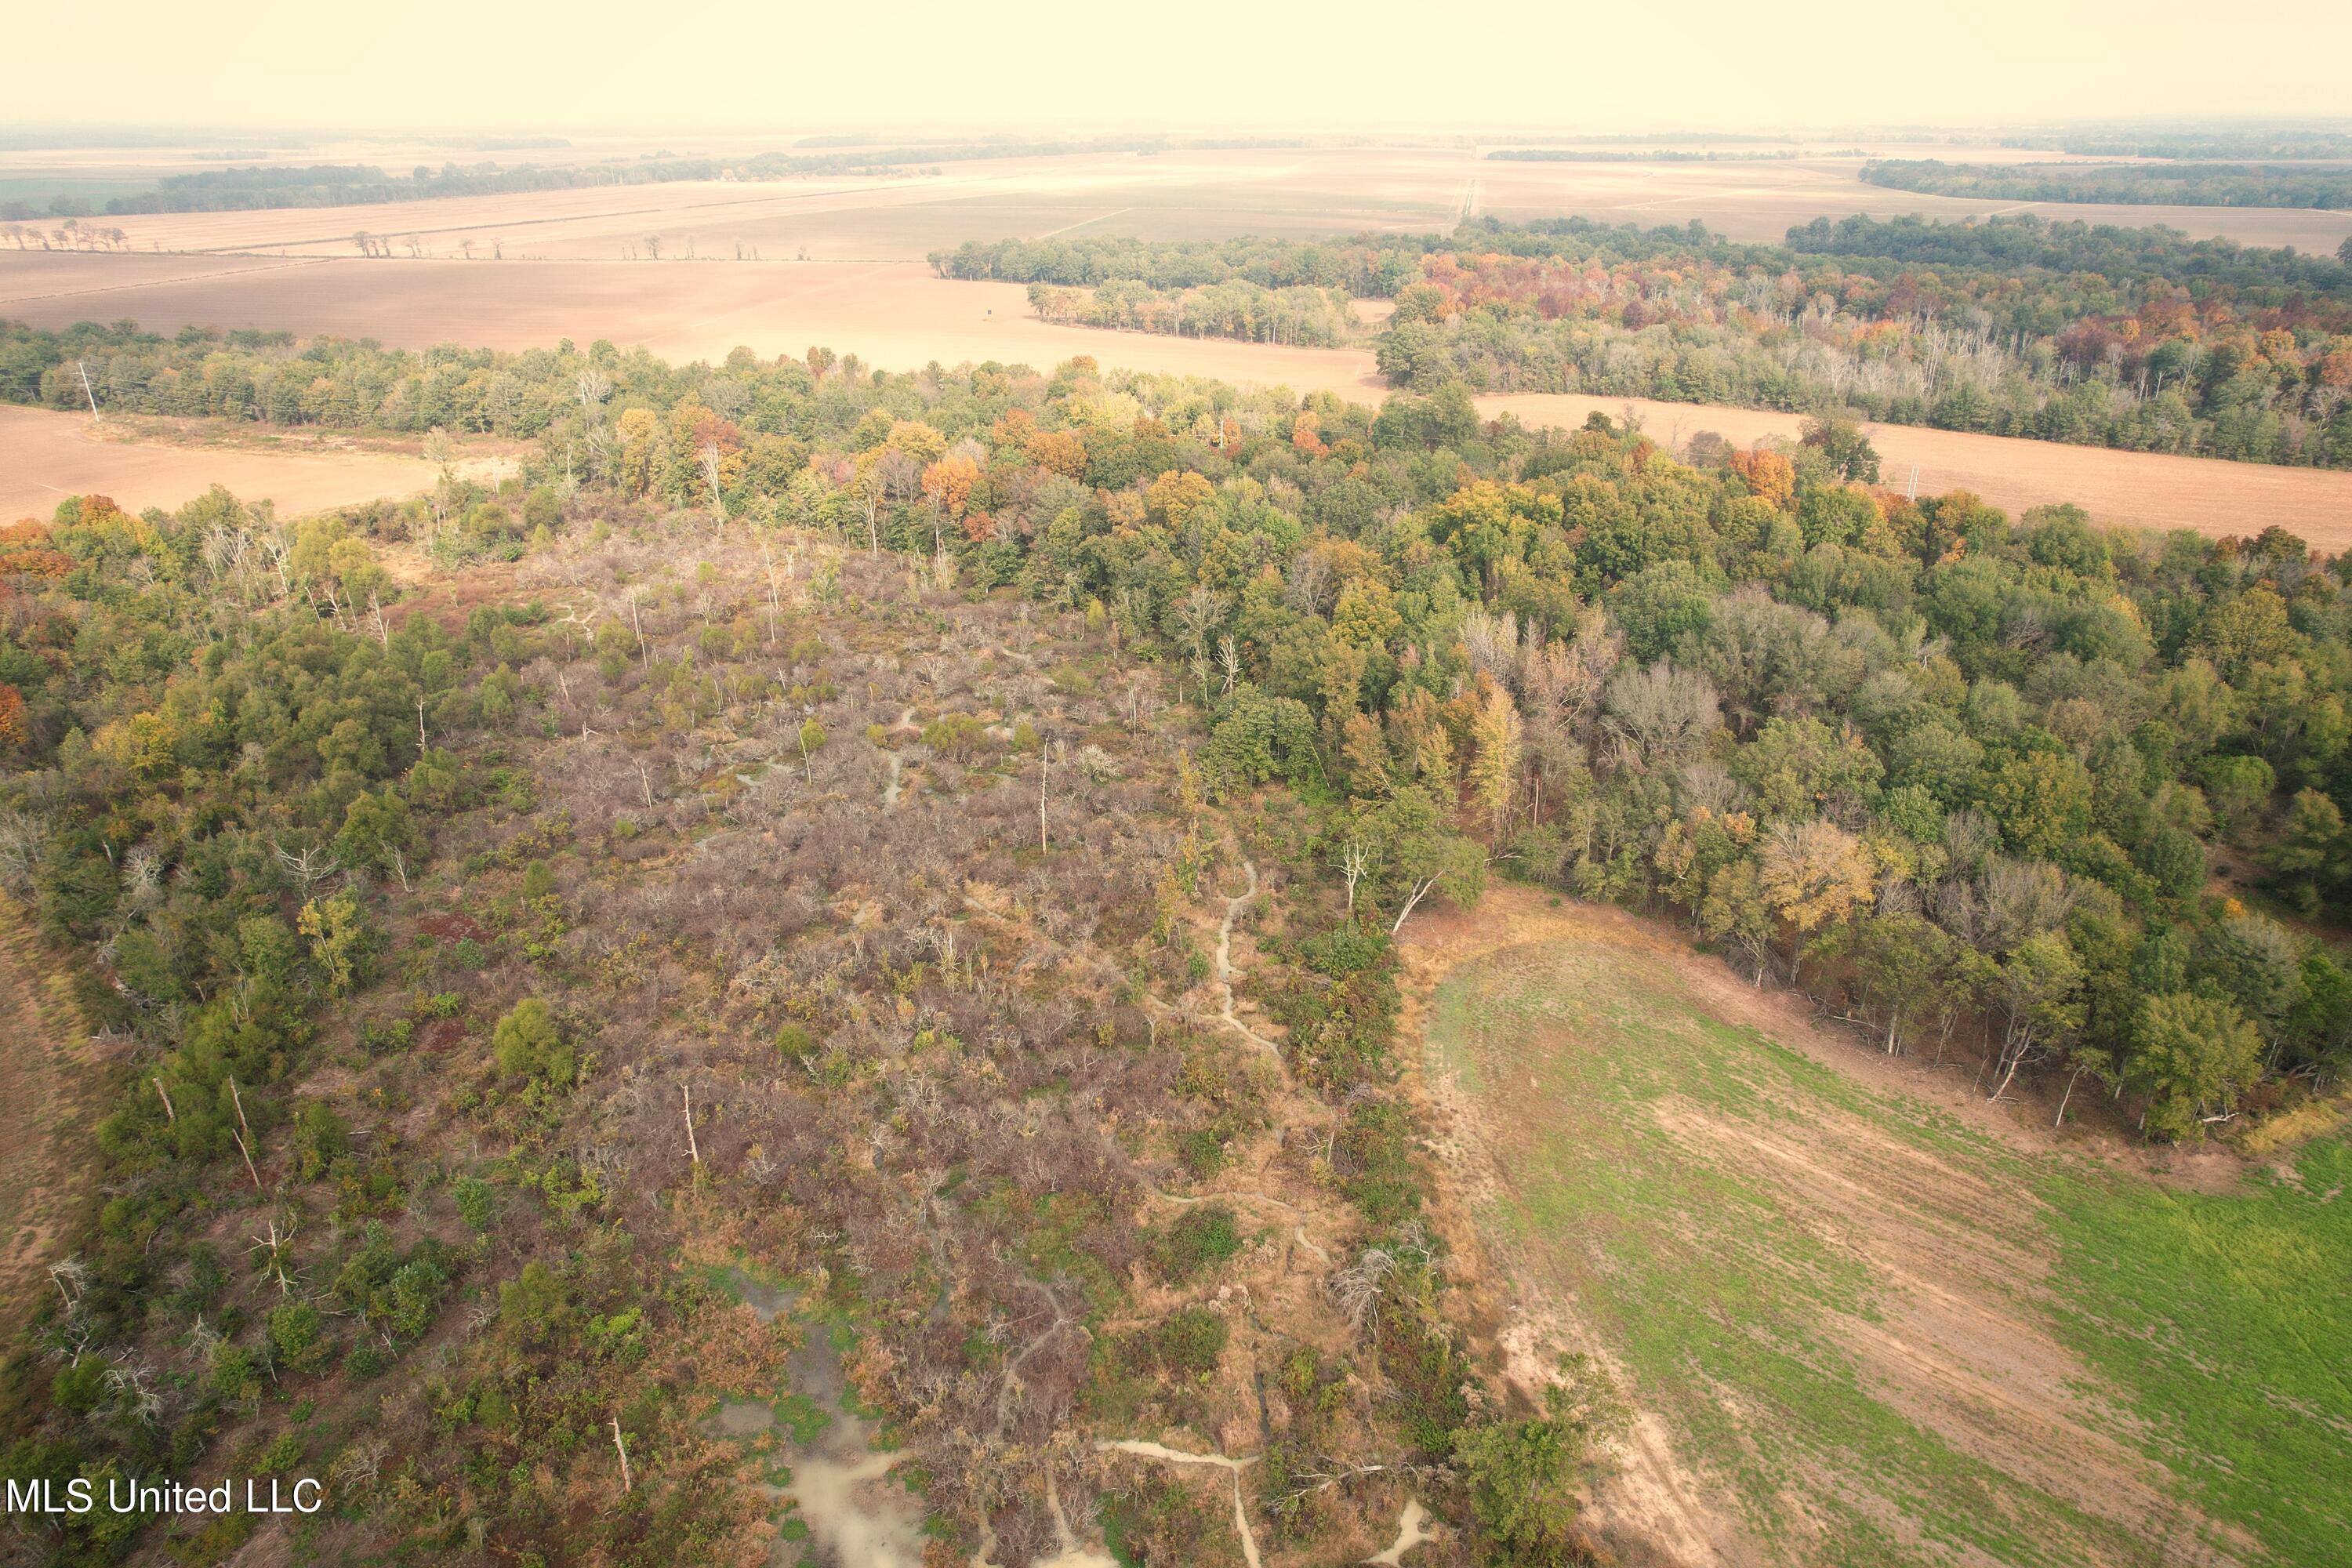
(2033, 346)
(1614, 155)
(1375, 266)
(2124, 256)
(345, 185)
(1369, 266)
(2161, 185)
(2278, 142)
(2138, 338)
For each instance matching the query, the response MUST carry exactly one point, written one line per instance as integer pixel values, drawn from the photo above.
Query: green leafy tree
(2039, 988)
(1898, 959)
(2311, 849)
(379, 833)
(1847, 450)
(1417, 852)
(2191, 1058)
(1521, 1476)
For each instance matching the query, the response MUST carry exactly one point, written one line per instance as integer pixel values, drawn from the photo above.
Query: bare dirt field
(45, 456)
(1863, 1317)
(47, 1090)
(1173, 195)
(2149, 490)
(899, 316)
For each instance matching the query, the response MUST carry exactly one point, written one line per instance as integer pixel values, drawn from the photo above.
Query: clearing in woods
(1864, 1318)
(47, 1092)
(45, 457)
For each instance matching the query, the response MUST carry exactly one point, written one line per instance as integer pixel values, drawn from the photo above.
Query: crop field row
(1878, 1325)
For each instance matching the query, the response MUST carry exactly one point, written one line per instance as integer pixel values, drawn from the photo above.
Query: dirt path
(1178, 1456)
(1234, 907)
(48, 1080)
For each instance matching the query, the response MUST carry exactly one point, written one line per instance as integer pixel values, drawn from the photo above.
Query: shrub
(1188, 1343)
(527, 1045)
(1344, 950)
(321, 1137)
(1520, 1475)
(476, 1202)
(1200, 1239)
(297, 1330)
(1373, 1156)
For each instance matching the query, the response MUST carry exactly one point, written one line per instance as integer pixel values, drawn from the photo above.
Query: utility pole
(95, 416)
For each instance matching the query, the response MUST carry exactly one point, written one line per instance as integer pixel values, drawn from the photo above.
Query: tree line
(2137, 338)
(2295, 142)
(2171, 184)
(258, 186)
(1233, 309)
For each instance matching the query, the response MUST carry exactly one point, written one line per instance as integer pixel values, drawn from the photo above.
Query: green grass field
(1878, 1335)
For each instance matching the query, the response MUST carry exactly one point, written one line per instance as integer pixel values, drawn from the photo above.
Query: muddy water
(1412, 1529)
(831, 1479)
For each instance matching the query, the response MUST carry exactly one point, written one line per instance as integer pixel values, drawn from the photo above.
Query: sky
(458, 65)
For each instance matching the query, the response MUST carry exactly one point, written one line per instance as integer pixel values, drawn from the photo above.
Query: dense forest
(2177, 183)
(1369, 266)
(1016, 703)
(1233, 309)
(2133, 338)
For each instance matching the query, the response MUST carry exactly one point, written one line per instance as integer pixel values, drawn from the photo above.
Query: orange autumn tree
(25, 552)
(948, 483)
(1771, 476)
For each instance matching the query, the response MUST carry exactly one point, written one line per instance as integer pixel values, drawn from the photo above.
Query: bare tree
(712, 475)
(1658, 717)
(311, 867)
(1355, 859)
(1197, 611)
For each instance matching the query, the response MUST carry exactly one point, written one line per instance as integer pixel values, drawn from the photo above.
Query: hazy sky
(459, 64)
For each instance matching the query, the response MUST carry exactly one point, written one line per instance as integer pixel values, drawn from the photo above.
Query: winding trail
(1234, 907)
(897, 764)
(1178, 1456)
